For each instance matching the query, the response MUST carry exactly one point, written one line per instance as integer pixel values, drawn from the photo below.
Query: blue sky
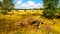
(28, 4)
(36, 1)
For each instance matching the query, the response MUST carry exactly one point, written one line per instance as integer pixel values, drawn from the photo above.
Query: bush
(49, 13)
(4, 12)
(50, 8)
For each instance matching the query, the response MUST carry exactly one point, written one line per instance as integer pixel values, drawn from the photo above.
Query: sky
(28, 4)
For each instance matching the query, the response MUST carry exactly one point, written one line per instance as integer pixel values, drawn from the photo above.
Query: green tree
(50, 7)
(6, 5)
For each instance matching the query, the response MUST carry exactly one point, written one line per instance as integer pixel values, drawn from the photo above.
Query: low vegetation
(25, 22)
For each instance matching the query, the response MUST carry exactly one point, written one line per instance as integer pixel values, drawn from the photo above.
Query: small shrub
(4, 12)
(48, 13)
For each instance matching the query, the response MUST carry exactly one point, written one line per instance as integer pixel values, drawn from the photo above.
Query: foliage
(4, 12)
(6, 5)
(50, 7)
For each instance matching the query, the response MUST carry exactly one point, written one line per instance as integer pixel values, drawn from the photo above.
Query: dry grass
(19, 23)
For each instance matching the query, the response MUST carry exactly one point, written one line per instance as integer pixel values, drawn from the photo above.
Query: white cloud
(19, 2)
(28, 5)
(30, 2)
(39, 5)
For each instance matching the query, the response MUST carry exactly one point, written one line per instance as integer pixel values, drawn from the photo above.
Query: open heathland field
(28, 22)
